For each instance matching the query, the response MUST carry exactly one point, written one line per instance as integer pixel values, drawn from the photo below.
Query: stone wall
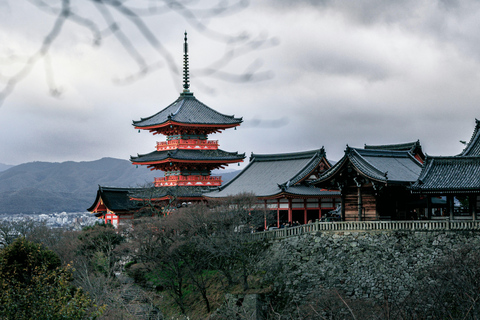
(371, 264)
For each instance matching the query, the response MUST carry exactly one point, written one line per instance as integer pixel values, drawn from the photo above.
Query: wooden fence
(368, 226)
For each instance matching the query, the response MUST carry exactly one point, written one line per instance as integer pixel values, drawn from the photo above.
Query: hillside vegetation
(45, 187)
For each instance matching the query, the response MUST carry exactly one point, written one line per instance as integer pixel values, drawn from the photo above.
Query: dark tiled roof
(274, 174)
(413, 147)
(449, 174)
(379, 165)
(180, 154)
(473, 146)
(115, 199)
(162, 192)
(187, 109)
(399, 146)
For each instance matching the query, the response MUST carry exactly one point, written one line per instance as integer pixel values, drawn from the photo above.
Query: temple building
(374, 182)
(450, 186)
(113, 205)
(280, 182)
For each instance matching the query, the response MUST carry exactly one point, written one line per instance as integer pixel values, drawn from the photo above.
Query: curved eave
(173, 160)
(441, 191)
(189, 125)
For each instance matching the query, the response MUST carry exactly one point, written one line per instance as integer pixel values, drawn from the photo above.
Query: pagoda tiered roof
(274, 175)
(459, 174)
(473, 146)
(187, 111)
(164, 193)
(385, 166)
(215, 157)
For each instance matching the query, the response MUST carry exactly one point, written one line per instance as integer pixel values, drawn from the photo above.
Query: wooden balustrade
(187, 144)
(193, 180)
(429, 225)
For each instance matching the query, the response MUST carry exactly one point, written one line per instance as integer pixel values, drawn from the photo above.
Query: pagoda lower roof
(276, 175)
(163, 193)
(187, 110)
(192, 156)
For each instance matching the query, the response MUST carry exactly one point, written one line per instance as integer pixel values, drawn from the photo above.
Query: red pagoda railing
(188, 144)
(193, 180)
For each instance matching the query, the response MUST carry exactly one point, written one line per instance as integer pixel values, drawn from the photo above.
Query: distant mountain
(45, 187)
(4, 167)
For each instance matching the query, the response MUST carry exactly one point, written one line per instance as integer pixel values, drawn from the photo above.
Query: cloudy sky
(325, 73)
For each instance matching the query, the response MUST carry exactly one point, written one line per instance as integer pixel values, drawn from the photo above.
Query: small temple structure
(374, 182)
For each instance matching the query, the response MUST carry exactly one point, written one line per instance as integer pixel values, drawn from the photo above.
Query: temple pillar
(450, 207)
(360, 203)
(472, 201)
(429, 207)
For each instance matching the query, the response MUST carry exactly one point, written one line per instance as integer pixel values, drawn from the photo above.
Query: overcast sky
(331, 73)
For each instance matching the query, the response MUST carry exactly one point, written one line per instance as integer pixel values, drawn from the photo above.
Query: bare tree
(133, 21)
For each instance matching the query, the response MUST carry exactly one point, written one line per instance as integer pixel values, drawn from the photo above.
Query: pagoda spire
(186, 82)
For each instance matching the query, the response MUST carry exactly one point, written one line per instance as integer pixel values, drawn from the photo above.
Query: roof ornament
(186, 84)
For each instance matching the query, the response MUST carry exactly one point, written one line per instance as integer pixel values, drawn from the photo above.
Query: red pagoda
(187, 157)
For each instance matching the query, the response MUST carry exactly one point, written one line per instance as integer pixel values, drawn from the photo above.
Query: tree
(131, 22)
(33, 285)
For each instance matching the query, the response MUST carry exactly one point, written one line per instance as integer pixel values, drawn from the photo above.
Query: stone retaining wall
(368, 264)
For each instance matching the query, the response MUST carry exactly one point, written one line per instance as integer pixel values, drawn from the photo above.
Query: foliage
(33, 285)
(181, 253)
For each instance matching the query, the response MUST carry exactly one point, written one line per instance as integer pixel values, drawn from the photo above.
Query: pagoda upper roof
(187, 110)
(272, 175)
(115, 199)
(386, 166)
(213, 156)
(458, 174)
(473, 146)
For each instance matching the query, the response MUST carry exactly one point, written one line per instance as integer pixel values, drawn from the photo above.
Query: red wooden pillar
(290, 211)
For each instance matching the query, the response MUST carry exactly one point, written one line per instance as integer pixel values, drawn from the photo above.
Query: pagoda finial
(186, 84)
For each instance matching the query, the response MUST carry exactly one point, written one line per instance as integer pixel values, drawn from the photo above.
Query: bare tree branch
(111, 21)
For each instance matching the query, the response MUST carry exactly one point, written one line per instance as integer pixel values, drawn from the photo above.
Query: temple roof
(473, 146)
(187, 110)
(210, 156)
(449, 175)
(115, 199)
(414, 147)
(161, 193)
(275, 174)
(387, 166)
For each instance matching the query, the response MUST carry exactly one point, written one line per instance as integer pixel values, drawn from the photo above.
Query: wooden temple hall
(376, 182)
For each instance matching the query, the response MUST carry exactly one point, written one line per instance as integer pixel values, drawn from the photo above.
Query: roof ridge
(287, 156)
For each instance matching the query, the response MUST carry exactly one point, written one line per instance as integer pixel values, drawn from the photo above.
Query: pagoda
(187, 157)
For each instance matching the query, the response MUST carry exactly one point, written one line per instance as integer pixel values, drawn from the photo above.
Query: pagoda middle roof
(473, 146)
(188, 110)
(378, 165)
(270, 175)
(188, 155)
(449, 175)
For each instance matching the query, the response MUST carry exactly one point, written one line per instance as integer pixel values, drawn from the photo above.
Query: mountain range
(46, 187)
